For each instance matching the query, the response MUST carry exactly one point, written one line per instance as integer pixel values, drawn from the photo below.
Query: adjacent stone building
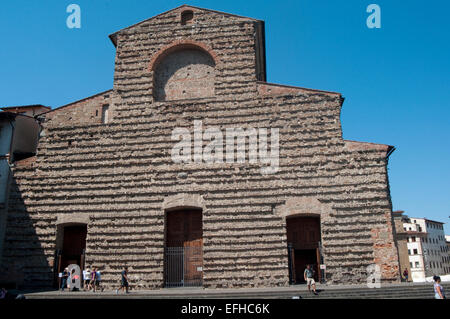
(422, 247)
(403, 237)
(19, 137)
(104, 190)
(427, 252)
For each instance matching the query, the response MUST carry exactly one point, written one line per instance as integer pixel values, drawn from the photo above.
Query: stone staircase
(398, 291)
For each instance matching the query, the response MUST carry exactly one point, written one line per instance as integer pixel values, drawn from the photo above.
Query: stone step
(406, 291)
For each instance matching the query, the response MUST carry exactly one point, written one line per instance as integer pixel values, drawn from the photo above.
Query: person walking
(309, 278)
(86, 278)
(98, 280)
(64, 278)
(93, 278)
(438, 289)
(405, 274)
(124, 281)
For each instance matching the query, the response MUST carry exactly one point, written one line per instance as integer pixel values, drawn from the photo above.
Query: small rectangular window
(187, 17)
(105, 114)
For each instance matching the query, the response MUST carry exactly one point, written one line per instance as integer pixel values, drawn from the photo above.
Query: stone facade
(119, 177)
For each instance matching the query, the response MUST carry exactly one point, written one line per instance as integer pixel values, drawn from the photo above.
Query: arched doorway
(70, 245)
(303, 237)
(183, 257)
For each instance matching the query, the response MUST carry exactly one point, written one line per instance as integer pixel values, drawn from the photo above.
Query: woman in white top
(438, 290)
(86, 278)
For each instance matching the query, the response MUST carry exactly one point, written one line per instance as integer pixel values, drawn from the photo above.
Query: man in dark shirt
(124, 280)
(64, 278)
(405, 274)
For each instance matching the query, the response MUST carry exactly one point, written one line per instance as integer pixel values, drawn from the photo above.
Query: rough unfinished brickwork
(119, 178)
(184, 74)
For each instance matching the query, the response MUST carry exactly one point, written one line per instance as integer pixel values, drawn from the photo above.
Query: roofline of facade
(300, 88)
(113, 39)
(370, 143)
(78, 101)
(428, 220)
(24, 106)
(389, 148)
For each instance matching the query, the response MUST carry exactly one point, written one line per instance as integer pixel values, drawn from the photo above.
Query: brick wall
(185, 74)
(85, 111)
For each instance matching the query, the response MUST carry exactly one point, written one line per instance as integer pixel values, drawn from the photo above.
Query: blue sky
(396, 80)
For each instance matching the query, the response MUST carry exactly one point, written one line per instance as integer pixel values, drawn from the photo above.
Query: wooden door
(74, 244)
(303, 232)
(292, 265)
(318, 270)
(175, 229)
(193, 245)
(303, 235)
(184, 229)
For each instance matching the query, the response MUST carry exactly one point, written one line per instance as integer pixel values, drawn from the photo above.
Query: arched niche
(183, 71)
